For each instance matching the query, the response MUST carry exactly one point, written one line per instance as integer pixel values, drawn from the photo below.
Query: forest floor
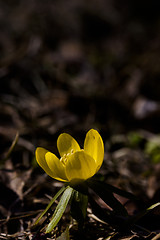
(70, 67)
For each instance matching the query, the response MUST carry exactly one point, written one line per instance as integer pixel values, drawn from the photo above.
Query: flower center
(64, 158)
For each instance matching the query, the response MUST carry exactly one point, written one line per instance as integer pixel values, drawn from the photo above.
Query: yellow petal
(93, 146)
(80, 166)
(66, 143)
(56, 166)
(40, 157)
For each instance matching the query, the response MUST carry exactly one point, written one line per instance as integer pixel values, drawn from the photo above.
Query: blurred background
(68, 66)
(73, 66)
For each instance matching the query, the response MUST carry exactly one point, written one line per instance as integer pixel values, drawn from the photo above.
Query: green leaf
(107, 196)
(61, 207)
(135, 139)
(50, 204)
(152, 207)
(64, 235)
(83, 203)
(79, 205)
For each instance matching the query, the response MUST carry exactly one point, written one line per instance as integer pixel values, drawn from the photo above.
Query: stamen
(64, 158)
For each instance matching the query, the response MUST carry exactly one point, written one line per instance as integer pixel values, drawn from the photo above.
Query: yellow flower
(75, 164)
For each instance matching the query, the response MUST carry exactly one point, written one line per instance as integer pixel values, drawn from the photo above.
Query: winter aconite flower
(75, 164)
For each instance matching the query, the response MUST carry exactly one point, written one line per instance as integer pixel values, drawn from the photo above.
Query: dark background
(68, 66)
(97, 63)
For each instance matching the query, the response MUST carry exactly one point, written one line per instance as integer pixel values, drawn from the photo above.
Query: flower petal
(93, 146)
(56, 166)
(40, 157)
(80, 166)
(66, 143)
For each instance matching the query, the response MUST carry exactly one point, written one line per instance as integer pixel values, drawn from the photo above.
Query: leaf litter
(52, 82)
